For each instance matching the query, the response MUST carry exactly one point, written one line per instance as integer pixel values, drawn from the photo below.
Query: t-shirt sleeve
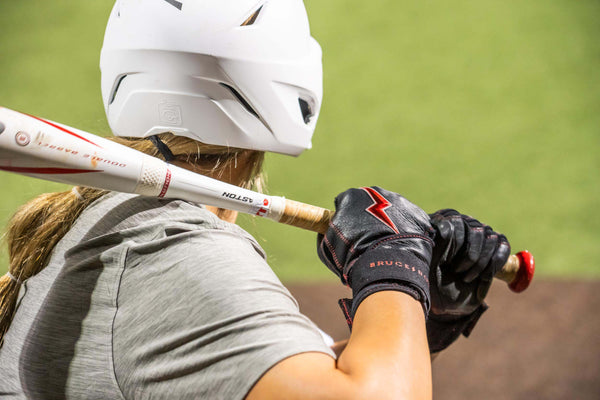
(201, 315)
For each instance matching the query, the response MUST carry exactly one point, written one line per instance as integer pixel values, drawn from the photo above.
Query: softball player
(117, 296)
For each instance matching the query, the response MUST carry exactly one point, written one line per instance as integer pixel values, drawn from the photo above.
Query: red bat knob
(524, 275)
(518, 271)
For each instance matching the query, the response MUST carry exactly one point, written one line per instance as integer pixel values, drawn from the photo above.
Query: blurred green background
(489, 107)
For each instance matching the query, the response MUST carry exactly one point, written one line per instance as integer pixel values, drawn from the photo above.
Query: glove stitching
(346, 271)
(339, 232)
(396, 237)
(332, 252)
(347, 313)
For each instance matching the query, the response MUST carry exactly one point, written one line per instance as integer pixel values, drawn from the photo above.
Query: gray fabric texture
(151, 299)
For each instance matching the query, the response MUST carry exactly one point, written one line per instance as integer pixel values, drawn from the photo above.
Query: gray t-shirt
(151, 299)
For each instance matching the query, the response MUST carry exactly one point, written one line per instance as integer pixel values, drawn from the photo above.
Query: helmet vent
(251, 19)
(177, 4)
(305, 109)
(116, 89)
(240, 99)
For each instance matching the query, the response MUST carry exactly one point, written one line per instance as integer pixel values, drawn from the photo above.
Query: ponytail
(32, 234)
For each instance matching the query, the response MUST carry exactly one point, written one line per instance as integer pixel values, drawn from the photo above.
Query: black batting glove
(378, 240)
(466, 257)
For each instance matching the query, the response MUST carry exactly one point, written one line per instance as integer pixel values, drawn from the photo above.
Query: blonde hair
(40, 224)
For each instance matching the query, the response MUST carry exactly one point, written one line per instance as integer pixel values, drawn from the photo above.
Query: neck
(226, 215)
(234, 178)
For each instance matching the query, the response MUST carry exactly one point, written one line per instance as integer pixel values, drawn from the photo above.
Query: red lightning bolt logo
(377, 209)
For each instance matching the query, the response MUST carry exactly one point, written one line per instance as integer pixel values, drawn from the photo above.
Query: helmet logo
(169, 113)
(175, 3)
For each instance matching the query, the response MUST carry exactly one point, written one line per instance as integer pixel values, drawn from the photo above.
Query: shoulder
(146, 221)
(193, 303)
(174, 248)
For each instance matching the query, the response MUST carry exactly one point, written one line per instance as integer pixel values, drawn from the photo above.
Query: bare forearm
(388, 335)
(386, 357)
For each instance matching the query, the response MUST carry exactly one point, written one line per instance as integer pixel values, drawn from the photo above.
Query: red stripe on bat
(63, 129)
(48, 171)
(165, 187)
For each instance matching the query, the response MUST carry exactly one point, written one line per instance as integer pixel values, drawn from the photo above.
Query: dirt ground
(541, 344)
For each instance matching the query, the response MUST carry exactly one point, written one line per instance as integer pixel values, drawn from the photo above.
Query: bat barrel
(47, 150)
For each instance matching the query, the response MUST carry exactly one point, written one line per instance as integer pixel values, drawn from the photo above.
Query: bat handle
(517, 272)
(306, 216)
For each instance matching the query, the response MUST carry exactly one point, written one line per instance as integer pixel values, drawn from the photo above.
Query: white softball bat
(52, 151)
(48, 150)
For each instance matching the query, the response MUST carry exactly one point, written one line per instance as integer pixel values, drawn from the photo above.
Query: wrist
(359, 297)
(396, 263)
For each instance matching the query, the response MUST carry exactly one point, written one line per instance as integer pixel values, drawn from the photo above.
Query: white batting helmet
(239, 73)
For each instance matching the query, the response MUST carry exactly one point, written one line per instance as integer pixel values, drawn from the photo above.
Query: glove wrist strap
(385, 268)
(442, 332)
